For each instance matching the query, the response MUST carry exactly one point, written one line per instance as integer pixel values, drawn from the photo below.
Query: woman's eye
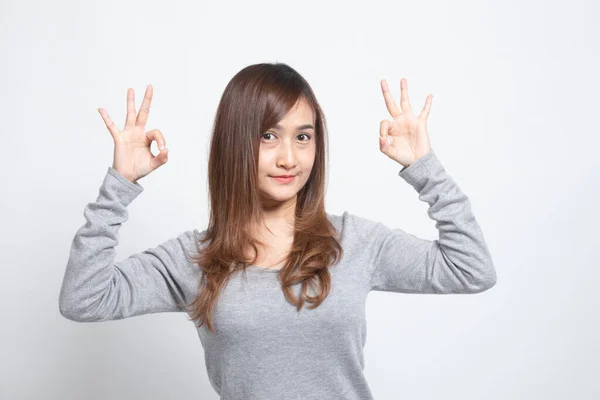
(302, 134)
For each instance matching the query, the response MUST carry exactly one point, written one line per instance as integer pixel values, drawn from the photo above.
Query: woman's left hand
(409, 137)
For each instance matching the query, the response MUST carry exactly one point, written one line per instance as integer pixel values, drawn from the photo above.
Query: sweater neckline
(266, 269)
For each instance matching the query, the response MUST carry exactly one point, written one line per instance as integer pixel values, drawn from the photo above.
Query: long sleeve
(457, 262)
(96, 288)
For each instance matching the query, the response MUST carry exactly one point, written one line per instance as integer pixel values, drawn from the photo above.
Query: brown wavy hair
(254, 100)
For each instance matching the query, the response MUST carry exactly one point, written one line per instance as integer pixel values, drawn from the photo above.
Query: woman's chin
(278, 196)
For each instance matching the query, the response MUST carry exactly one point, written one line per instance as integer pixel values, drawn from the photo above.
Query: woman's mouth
(284, 179)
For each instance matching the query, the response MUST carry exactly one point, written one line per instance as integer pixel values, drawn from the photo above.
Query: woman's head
(254, 102)
(260, 131)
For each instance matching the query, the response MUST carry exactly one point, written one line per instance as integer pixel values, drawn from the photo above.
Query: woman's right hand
(132, 156)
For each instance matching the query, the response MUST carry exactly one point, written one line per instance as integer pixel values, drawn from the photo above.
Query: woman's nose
(287, 155)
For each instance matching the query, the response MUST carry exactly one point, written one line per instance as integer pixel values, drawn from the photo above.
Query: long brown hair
(256, 99)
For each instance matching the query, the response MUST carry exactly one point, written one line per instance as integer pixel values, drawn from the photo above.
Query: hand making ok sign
(132, 157)
(408, 134)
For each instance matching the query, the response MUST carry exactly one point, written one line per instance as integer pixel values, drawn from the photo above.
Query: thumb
(160, 159)
(384, 144)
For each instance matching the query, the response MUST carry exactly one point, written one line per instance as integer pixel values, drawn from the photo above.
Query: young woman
(276, 286)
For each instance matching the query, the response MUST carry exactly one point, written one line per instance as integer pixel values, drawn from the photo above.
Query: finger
(112, 128)
(160, 159)
(425, 111)
(157, 135)
(384, 128)
(145, 107)
(389, 99)
(130, 120)
(404, 100)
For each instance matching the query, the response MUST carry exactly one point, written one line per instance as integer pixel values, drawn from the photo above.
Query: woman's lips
(283, 180)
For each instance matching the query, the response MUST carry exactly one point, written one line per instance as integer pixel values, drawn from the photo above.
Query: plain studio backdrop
(513, 121)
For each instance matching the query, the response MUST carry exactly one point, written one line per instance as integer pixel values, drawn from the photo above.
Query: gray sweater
(263, 348)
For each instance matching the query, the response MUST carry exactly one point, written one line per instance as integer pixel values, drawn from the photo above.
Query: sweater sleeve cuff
(417, 173)
(125, 190)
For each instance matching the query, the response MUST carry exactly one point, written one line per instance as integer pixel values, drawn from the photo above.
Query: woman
(277, 285)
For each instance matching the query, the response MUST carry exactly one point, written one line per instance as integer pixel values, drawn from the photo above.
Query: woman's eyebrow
(307, 126)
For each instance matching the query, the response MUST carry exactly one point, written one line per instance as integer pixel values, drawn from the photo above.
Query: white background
(514, 121)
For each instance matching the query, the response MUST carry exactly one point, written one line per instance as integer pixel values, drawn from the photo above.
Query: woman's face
(287, 149)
